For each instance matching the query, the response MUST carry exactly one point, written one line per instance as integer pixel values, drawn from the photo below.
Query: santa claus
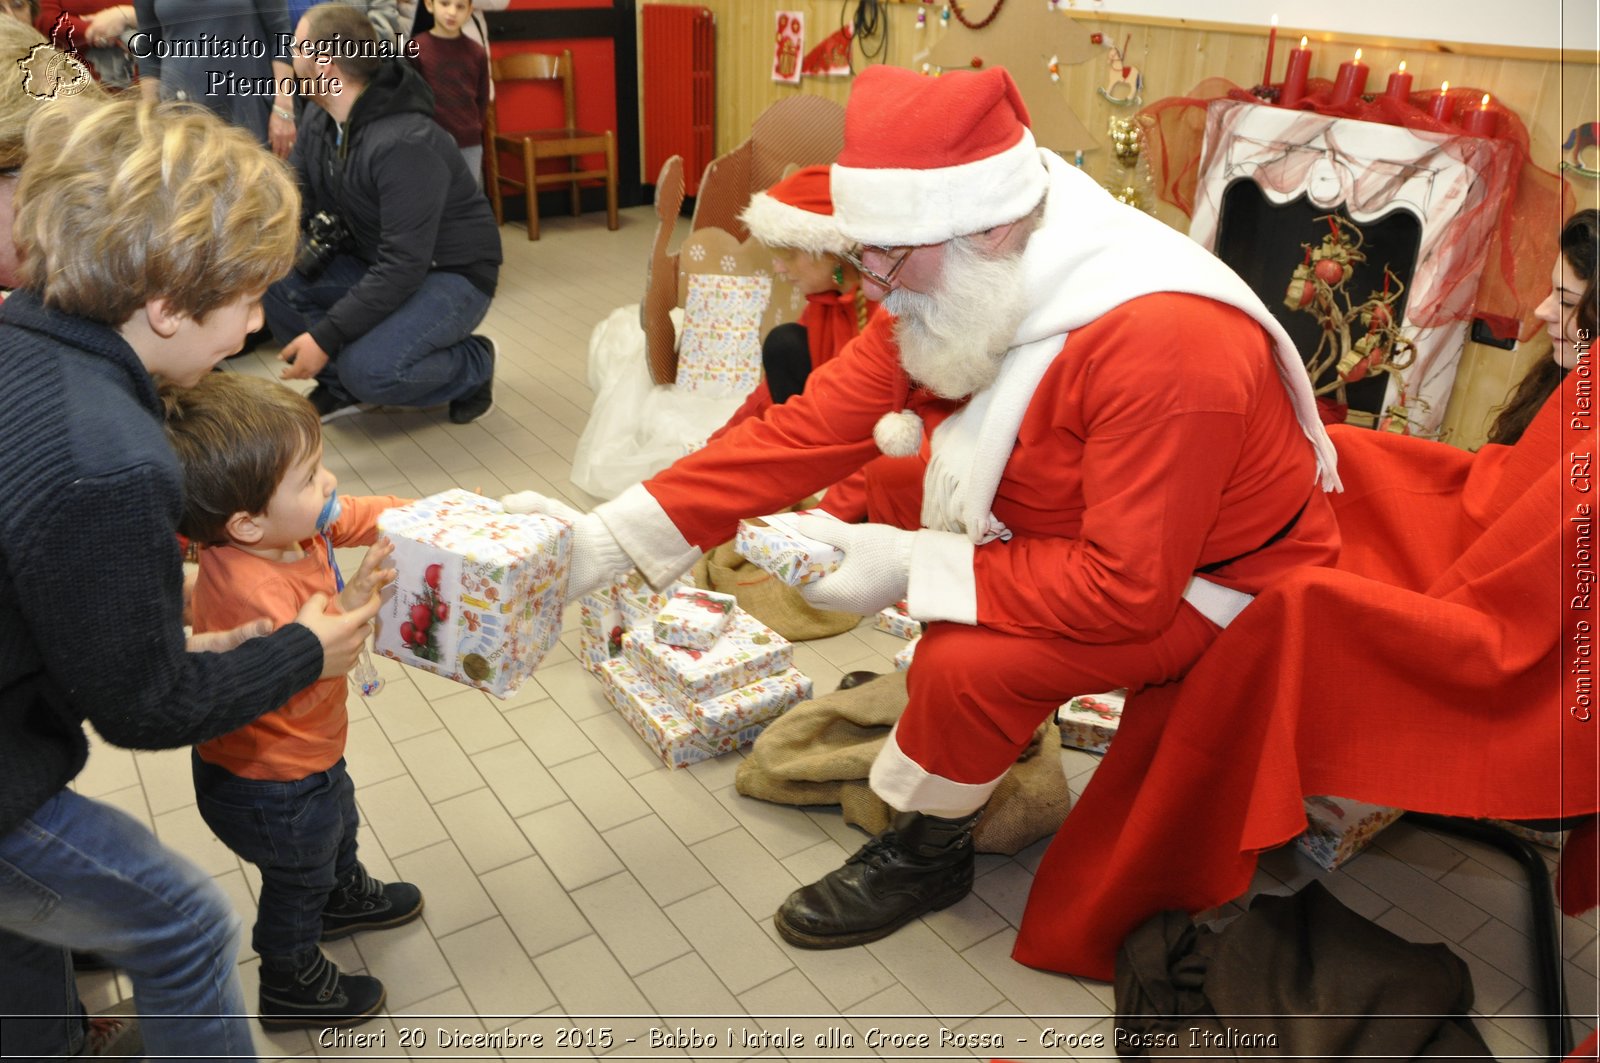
(1124, 450)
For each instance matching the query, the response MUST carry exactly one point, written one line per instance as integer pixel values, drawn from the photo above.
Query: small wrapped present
(902, 660)
(599, 628)
(1553, 839)
(760, 703)
(719, 352)
(1337, 828)
(747, 651)
(694, 618)
(478, 593)
(664, 726)
(896, 621)
(774, 545)
(639, 601)
(1089, 721)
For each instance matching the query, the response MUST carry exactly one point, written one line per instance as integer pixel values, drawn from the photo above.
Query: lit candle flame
(1444, 88)
(1303, 42)
(1402, 66)
(1485, 104)
(1274, 20)
(1358, 55)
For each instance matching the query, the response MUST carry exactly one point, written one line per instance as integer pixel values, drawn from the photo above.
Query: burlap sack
(767, 598)
(819, 753)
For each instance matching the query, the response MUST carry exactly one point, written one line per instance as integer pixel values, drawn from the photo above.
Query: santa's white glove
(875, 570)
(596, 557)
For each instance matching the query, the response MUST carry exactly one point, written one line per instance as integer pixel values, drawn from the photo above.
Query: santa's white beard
(952, 339)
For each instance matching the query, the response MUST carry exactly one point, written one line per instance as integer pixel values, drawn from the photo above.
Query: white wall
(1573, 24)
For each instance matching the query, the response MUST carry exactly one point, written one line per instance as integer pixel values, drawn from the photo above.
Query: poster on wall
(788, 47)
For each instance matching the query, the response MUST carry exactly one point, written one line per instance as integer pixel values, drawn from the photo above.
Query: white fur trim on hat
(900, 207)
(777, 224)
(898, 435)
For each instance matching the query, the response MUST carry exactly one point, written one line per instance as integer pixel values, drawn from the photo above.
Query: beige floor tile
(550, 733)
(483, 830)
(638, 933)
(1005, 889)
(620, 744)
(132, 800)
(167, 777)
(845, 976)
(786, 998)
(183, 829)
(966, 923)
(1423, 850)
(108, 769)
(782, 829)
(1429, 901)
(438, 765)
(683, 805)
(399, 816)
(658, 861)
(432, 687)
(495, 972)
(452, 897)
(518, 779)
(237, 889)
(1032, 991)
(718, 773)
(408, 960)
(535, 907)
(1487, 886)
(933, 971)
(685, 989)
(750, 874)
(599, 792)
(574, 689)
(369, 753)
(728, 940)
(475, 720)
(573, 850)
(403, 710)
(588, 981)
(418, 1028)
(1491, 987)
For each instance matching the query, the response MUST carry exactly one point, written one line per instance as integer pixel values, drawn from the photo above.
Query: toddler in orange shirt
(266, 512)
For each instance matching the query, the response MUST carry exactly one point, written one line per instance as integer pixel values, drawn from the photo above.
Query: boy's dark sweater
(457, 70)
(91, 579)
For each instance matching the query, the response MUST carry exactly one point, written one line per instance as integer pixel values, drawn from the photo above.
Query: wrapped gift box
(902, 660)
(478, 593)
(1089, 721)
(599, 628)
(1552, 838)
(896, 621)
(693, 618)
(747, 651)
(760, 703)
(774, 545)
(1337, 828)
(663, 726)
(719, 352)
(639, 601)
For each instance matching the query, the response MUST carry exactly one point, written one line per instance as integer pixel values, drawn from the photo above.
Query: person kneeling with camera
(399, 252)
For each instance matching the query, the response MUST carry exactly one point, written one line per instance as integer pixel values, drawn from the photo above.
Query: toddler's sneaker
(361, 902)
(317, 996)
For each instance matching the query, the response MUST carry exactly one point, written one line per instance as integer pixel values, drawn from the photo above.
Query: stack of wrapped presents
(478, 592)
(693, 674)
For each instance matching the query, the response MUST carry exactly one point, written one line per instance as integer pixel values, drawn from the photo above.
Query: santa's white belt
(1215, 602)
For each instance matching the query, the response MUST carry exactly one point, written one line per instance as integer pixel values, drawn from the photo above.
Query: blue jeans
(80, 874)
(37, 981)
(302, 837)
(423, 354)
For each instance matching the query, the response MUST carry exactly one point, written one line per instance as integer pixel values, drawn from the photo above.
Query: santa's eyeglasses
(897, 255)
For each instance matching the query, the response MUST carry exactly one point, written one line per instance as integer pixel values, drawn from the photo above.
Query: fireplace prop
(1427, 203)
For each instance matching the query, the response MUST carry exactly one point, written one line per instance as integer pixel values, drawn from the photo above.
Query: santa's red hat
(797, 212)
(928, 159)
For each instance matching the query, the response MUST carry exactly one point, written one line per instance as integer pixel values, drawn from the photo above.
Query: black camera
(325, 236)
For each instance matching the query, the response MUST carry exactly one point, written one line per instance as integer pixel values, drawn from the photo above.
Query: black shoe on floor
(851, 680)
(330, 405)
(920, 864)
(470, 407)
(361, 902)
(318, 995)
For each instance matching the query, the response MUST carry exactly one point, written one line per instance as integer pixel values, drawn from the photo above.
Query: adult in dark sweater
(146, 235)
(389, 318)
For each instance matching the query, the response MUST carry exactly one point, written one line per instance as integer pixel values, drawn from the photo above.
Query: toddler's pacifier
(330, 511)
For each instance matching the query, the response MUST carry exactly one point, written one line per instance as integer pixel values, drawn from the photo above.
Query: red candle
(1480, 121)
(1399, 87)
(1442, 107)
(1351, 80)
(1294, 76)
(1272, 42)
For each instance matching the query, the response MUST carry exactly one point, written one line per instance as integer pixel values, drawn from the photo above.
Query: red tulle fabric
(1531, 202)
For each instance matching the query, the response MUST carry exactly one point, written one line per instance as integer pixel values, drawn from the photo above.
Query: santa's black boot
(920, 864)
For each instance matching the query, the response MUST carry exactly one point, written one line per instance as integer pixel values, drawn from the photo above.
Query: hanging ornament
(977, 62)
(1054, 66)
(961, 16)
(1127, 140)
(1123, 81)
(944, 15)
(922, 19)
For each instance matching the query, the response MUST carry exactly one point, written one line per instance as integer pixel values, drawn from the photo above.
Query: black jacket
(91, 578)
(404, 192)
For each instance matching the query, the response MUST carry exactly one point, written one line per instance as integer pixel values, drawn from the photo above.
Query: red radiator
(679, 83)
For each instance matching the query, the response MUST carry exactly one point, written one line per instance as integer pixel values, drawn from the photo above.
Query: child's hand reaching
(369, 577)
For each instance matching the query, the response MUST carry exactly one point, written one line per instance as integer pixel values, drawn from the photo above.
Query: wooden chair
(568, 142)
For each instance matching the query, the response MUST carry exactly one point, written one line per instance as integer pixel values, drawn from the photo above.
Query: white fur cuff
(647, 535)
(908, 787)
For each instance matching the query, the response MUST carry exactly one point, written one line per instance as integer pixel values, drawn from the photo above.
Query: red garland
(961, 16)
